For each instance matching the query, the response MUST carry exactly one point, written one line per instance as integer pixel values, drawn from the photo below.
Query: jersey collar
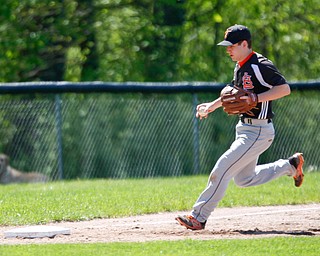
(241, 63)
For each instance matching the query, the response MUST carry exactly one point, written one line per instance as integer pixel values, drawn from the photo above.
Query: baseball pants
(240, 163)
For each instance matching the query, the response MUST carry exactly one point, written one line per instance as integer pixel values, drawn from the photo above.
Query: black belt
(255, 121)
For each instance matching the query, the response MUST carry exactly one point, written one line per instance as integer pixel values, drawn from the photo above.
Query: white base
(36, 232)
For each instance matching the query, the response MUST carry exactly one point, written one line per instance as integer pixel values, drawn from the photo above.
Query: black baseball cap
(235, 34)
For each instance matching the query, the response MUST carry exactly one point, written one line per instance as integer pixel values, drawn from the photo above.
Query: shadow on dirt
(276, 232)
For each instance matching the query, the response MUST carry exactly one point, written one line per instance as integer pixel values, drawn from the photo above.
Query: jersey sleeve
(272, 75)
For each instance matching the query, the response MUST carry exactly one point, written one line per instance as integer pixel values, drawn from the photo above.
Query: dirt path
(240, 222)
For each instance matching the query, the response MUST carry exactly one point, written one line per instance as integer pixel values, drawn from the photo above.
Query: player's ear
(244, 43)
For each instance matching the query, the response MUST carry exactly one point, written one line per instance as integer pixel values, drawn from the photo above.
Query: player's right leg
(297, 162)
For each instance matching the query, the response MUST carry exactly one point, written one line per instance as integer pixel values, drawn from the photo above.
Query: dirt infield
(240, 222)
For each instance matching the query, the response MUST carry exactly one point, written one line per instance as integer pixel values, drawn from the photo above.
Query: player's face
(237, 52)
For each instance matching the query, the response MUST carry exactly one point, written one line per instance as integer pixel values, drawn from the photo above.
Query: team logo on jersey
(246, 81)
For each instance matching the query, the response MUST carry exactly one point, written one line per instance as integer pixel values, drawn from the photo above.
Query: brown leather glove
(236, 100)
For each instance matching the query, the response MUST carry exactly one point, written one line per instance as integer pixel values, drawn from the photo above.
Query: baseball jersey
(258, 74)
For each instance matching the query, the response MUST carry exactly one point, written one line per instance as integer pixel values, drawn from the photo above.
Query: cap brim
(225, 43)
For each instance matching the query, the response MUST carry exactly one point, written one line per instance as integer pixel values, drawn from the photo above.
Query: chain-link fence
(136, 134)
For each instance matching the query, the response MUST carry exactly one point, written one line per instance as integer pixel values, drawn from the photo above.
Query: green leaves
(162, 40)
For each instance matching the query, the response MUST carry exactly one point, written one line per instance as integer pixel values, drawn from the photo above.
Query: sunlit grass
(89, 199)
(266, 246)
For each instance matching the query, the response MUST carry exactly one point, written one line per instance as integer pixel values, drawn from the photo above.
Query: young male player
(254, 131)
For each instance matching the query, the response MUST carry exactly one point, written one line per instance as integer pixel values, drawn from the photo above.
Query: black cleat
(190, 222)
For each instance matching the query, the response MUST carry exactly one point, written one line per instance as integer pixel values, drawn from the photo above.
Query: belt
(255, 121)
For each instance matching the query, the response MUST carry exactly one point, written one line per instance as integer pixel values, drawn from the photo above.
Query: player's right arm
(209, 107)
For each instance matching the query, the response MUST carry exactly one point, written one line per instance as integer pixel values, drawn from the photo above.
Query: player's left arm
(276, 92)
(273, 77)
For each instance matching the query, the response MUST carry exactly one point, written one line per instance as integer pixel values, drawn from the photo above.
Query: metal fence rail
(113, 130)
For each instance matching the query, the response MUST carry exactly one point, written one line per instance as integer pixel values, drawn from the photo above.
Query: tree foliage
(163, 40)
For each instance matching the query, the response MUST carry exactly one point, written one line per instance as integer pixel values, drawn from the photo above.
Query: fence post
(196, 151)
(59, 134)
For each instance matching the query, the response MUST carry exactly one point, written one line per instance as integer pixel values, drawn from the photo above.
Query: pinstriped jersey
(258, 74)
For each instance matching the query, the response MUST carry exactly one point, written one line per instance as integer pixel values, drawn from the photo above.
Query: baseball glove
(236, 100)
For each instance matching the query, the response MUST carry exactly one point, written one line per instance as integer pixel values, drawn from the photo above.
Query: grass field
(268, 247)
(42, 203)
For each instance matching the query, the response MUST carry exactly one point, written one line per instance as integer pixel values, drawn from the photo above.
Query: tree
(140, 40)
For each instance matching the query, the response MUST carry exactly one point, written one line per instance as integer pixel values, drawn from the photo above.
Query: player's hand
(202, 111)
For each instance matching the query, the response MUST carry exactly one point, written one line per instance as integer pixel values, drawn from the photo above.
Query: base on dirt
(36, 232)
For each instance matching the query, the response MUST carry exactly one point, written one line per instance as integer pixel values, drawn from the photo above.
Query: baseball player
(263, 83)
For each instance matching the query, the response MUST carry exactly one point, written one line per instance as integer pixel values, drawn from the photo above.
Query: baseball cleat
(297, 161)
(190, 222)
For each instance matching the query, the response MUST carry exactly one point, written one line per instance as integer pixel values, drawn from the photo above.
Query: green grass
(83, 200)
(267, 246)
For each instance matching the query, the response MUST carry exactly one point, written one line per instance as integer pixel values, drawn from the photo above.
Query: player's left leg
(250, 142)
